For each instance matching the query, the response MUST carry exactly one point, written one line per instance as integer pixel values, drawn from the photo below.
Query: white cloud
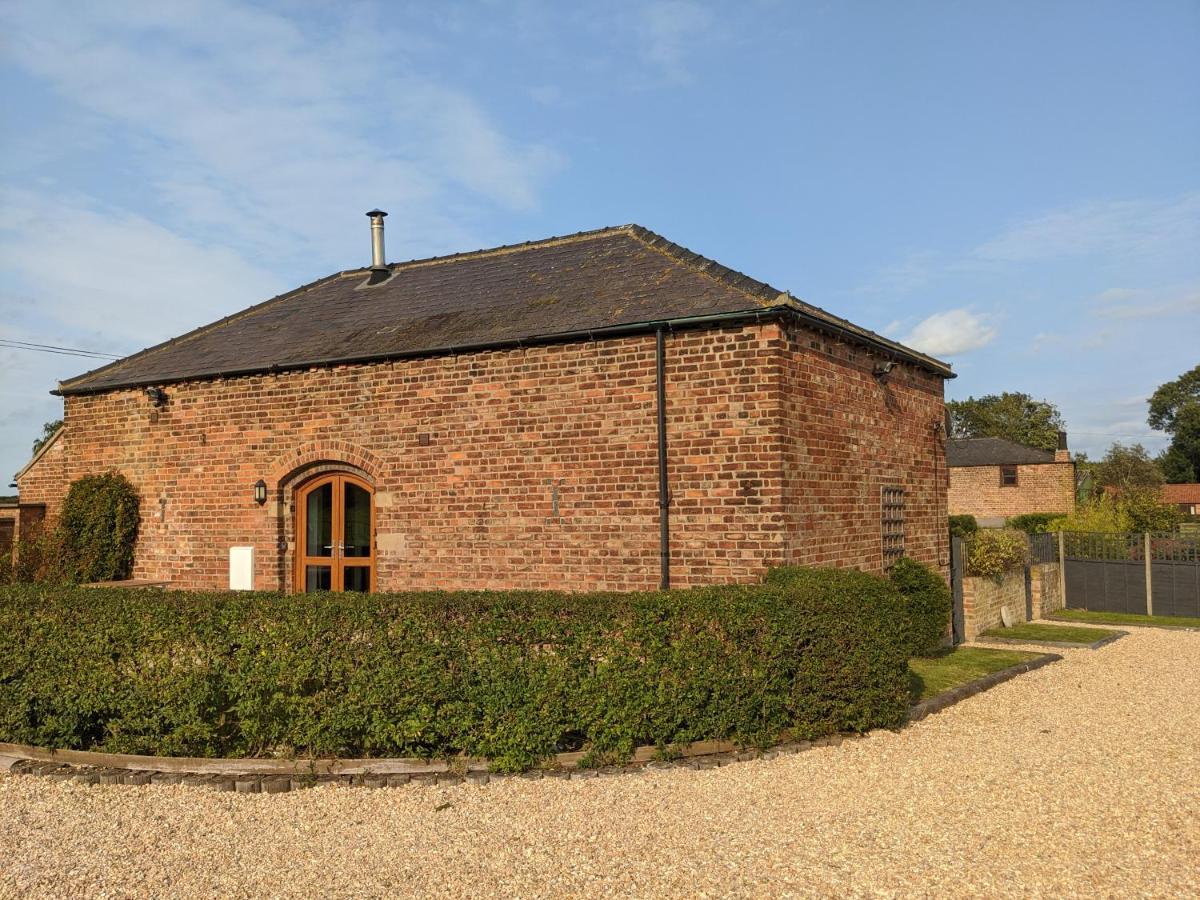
(950, 333)
(263, 132)
(123, 280)
(1116, 228)
(666, 31)
(1144, 303)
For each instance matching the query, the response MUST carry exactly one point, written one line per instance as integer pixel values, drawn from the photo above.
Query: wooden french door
(335, 535)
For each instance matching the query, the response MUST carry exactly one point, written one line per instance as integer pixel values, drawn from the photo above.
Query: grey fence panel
(1176, 588)
(1106, 585)
(1043, 548)
(1107, 572)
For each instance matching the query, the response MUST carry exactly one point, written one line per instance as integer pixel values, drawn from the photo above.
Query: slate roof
(573, 287)
(991, 451)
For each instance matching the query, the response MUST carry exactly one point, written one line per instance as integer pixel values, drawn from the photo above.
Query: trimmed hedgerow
(1032, 523)
(513, 676)
(915, 601)
(963, 526)
(928, 601)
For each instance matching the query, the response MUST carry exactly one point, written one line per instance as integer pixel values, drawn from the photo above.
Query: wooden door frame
(337, 561)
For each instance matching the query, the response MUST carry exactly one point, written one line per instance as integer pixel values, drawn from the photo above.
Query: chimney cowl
(378, 258)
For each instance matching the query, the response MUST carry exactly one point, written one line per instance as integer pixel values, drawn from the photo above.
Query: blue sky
(1012, 186)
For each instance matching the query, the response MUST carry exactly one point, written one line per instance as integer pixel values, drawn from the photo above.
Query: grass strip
(1060, 634)
(1097, 617)
(929, 676)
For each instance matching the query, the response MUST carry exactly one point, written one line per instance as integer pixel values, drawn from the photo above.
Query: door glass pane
(319, 522)
(358, 522)
(316, 578)
(357, 578)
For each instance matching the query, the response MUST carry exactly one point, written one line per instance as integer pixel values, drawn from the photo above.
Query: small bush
(38, 557)
(513, 676)
(928, 604)
(994, 551)
(963, 526)
(1032, 523)
(98, 528)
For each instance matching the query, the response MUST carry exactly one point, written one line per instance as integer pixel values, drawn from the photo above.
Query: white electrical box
(241, 568)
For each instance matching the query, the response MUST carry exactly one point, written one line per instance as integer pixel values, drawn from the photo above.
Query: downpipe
(664, 494)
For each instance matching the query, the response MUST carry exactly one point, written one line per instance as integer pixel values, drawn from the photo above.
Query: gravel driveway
(1079, 778)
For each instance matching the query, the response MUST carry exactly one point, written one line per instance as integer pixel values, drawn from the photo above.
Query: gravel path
(1079, 778)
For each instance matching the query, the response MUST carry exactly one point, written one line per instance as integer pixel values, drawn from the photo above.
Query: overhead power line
(51, 348)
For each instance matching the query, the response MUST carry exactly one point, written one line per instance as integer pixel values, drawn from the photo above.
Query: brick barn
(605, 410)
(993, 479)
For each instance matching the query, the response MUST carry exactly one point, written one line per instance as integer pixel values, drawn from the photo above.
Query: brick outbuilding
(605, 410)
(994, 479)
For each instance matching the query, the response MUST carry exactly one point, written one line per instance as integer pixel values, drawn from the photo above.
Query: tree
(1176, 466)
(1128, 469)
(1017, 417)
(47, 432)
(1167, 401)
(1175, 409)
(1181, 461)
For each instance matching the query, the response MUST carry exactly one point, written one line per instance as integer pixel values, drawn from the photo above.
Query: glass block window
(893, 525)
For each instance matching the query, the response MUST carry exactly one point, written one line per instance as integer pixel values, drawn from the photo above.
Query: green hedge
(513, 676)
(915, 601)
(963, 526)
(928, 603)
(1032, 523)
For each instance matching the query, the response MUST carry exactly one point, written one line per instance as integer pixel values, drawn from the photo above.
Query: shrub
(1032, 523)
(98, 527)
(994, 551)
(1148, 513)
(38, 557)
(1101, 513)
(513, 676)
(928, 602)
(963, 526)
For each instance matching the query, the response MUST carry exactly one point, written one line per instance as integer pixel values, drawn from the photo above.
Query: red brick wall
(472, 505)
(1044, 488)
(846, 437)
(45, 481)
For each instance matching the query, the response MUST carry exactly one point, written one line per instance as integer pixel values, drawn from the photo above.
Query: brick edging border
(1066, 645)
(979, 685)
(272, 777)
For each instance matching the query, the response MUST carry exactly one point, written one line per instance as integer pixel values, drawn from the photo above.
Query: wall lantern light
(883, 370)
(260, 492)
(157, 395)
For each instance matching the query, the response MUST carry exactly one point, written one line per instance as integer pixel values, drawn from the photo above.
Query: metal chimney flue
(378, 260)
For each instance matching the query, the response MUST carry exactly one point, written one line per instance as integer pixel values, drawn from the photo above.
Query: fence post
(1149, 570)
(1062, 571)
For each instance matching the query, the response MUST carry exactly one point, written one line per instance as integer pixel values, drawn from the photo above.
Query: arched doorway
(335, 534)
